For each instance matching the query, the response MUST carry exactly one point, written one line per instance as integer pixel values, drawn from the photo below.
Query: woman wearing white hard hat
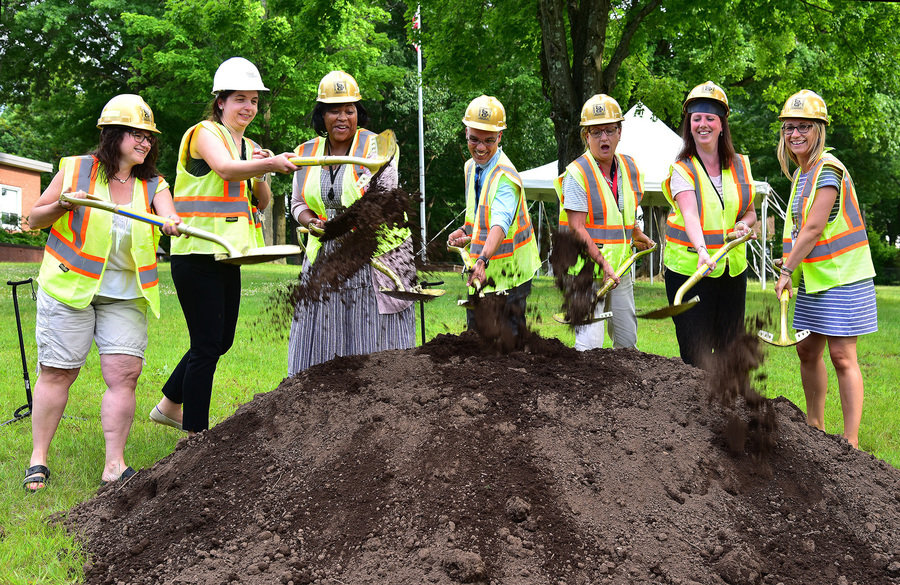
(826, 255)
(711, 191)
(357, 319)
(221, 180)
(97, 279)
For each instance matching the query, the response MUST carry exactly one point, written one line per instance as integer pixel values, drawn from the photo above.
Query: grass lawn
(35, 551)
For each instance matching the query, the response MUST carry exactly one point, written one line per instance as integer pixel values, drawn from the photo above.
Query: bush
(29, 238)
(886, 259)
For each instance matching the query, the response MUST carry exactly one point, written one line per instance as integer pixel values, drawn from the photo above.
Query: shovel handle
(151, 219)
(705, 269)
(785, 297)
(625, 267)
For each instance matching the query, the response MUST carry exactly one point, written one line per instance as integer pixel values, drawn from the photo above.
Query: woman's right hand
(704, 259)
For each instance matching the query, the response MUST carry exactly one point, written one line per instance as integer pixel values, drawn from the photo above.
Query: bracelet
(703, 248)
(261, 178)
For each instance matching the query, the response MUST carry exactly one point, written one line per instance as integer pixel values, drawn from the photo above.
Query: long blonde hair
(785, 154)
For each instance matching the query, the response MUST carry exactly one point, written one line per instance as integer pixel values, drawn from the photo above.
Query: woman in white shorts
(98, 278)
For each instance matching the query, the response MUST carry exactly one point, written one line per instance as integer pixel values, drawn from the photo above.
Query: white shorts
(64, 334)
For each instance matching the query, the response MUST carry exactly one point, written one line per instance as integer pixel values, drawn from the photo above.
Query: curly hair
(109, 155)
(318, 116)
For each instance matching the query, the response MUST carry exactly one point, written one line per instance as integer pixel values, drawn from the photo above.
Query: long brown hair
(725, 146)
(109, 155)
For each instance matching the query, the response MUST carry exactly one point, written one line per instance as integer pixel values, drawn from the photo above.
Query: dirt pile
(455, 464)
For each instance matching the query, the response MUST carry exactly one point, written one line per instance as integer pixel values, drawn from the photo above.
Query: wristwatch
(484, 259)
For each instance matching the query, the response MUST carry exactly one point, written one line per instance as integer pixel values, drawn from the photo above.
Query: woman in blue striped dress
(826, 254)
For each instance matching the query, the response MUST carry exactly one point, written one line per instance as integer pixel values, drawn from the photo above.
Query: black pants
(715, 321)
(210, 297)
(514, 310)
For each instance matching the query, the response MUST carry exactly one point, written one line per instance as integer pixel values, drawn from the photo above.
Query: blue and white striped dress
(843, 311)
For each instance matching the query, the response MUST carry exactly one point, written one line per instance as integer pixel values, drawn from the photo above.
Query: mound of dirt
(453, 463)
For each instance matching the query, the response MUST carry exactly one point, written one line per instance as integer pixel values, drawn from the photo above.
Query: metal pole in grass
(25, 410)
(422, 305)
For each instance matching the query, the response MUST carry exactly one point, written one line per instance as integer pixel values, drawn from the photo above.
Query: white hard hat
(237, 73)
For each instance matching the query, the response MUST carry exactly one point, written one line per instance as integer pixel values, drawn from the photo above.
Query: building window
(10, 207)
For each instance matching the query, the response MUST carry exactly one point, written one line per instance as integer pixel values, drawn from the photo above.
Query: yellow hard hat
(707, 91)
(127, 109)
(338, 88)
(237, 74)
(805, 104)
(485, 113)
(601, 109)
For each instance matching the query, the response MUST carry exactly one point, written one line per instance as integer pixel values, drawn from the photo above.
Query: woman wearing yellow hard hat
(711, 191)
(97, 279)
(600, 196)
(221, 179)
(357, 319)
(826, 255)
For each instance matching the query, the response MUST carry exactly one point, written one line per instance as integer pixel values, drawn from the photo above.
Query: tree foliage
(63, 59)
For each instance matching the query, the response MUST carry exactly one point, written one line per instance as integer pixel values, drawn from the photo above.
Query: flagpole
(417, 25)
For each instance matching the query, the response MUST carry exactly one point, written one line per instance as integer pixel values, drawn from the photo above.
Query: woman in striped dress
(357, 319)
(826, 254)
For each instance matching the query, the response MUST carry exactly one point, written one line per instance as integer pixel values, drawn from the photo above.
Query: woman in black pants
(221, 178)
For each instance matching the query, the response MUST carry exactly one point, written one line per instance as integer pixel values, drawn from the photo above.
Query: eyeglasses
(802, 128)
(598, 132)
(141, 137)
(475, 141)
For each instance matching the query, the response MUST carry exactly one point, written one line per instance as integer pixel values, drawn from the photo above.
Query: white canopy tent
(654, 147)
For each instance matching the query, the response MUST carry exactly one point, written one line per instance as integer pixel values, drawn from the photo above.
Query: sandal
(127, 474)
(32, 477)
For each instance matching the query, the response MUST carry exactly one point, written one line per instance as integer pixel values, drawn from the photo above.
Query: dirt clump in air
(577, 288)
(457, 463)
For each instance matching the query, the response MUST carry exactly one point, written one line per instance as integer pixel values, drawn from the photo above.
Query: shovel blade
(260, 255)
(423, 295)
(784, 340)
(562, 318)
(671, 310)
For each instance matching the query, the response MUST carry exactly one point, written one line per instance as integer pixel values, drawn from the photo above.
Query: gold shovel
(607, 286)
(234, 256)
(469, 266)
(416, 293)
(678, 306)
(385, 146)
(784, 340)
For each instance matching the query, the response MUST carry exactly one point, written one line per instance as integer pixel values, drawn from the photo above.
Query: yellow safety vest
(212, 203)
(716, 218)
(79, 243)
(841, 254)
(516, 260)
(609, 223)
(352, 188)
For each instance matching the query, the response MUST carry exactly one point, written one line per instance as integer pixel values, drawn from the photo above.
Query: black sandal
(31, 477)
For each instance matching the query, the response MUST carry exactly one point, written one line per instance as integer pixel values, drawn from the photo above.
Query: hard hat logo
(340, 87)
(599, 109)
(146, 114)
(484, 114)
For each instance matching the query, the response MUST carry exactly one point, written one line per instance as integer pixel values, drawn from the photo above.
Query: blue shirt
(503, 210)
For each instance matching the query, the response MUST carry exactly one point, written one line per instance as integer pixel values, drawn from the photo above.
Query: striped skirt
(843, 311)
(346, 322)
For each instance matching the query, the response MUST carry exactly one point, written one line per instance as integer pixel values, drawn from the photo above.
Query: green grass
(33, 550)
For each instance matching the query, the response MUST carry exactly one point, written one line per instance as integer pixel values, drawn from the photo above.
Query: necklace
(123, 181)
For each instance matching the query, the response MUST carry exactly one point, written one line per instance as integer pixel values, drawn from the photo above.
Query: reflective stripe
(212, 207)
(84, 264)
(149, 276)
(361, 150)
(307, 149)
(742, 182)
(676, 233)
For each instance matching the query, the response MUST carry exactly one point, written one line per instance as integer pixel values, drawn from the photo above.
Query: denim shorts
(64, 334)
